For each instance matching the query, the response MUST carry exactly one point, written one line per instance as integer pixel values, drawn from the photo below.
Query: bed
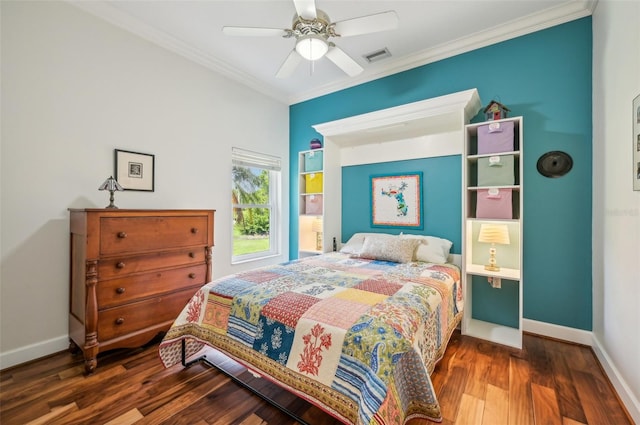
(356, 332)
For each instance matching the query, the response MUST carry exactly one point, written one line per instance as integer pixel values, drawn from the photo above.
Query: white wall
(74, 88)
(616, 207)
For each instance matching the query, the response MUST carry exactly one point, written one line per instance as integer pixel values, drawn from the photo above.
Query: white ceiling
(429, 30)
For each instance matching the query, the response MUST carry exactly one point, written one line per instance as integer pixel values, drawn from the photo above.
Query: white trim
(33, 351)
(564, 333)
(617, 380)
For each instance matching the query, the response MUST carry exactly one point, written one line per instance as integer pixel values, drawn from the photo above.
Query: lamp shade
(110, 184)
(494, 233)
(312, 47)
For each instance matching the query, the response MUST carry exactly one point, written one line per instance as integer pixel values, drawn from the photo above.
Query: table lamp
(111, 185)
(493, 234)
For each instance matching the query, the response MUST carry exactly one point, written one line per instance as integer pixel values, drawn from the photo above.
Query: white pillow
(389, 248)
(355, 242)
(431, 249)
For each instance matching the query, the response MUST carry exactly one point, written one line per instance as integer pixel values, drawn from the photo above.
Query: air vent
(377, 55)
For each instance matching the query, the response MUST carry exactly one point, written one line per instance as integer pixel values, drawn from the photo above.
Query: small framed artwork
(396, 200)
(134, 170)
(636, 143)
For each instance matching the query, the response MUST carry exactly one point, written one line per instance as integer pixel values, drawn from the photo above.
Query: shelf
(504, 273)
(473, 158)
(493, 332)
(514, 187)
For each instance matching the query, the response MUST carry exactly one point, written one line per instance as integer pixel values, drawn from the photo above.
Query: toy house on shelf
(495, 111)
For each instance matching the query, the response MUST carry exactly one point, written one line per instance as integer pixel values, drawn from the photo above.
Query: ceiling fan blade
(367, 24)
(289, 65)
(344, 61)
(306, 9)
(255, 32)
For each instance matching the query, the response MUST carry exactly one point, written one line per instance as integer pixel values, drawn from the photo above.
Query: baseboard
(617, 380)
(564, 333)
(580, 336)
(33, 351)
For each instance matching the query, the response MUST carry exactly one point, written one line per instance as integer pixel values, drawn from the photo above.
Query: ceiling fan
(312, 30)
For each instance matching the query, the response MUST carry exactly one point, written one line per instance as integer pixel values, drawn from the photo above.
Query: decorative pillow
(431, 249)
(354, 244)
(389, 249)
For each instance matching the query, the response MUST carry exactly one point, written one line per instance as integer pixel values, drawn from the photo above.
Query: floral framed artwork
(636, 143)
(396, 200)
(135, 171)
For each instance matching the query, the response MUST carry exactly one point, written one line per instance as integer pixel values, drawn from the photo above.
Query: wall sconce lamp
(111, 185)
(493, 234)
(316, 226)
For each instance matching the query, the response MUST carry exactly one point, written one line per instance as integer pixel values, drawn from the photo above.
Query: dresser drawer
(142, 234)
(126, 265)
(120, 321)
(118, 291)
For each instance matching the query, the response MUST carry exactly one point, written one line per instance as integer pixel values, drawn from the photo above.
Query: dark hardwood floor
(548, 382)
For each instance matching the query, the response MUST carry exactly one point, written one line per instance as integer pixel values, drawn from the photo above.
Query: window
(255, 179)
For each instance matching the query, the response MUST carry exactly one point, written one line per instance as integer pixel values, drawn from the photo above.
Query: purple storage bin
(313, 204)
(494, 203)
(495, 137)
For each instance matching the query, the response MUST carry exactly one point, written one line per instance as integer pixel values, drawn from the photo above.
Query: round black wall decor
(554, 164)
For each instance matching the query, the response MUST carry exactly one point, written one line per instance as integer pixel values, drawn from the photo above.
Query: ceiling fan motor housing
(319, 26)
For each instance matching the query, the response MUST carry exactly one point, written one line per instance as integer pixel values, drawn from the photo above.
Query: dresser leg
(91, 355)
(73, 347)
(90, 365)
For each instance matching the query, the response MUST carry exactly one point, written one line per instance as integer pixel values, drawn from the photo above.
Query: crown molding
(106, 12)
(560, 14)
(551, 17)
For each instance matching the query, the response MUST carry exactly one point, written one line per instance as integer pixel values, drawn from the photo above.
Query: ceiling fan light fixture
(312, 47)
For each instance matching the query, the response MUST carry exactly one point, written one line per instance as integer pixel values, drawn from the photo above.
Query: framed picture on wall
(636, 143)
(135, 171)
(396, 200)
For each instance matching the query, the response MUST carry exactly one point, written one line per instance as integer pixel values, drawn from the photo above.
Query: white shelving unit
(319, 191)
(476, 253)
(311, 202)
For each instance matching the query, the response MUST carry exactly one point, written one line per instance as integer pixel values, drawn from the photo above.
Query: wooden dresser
(132, 272)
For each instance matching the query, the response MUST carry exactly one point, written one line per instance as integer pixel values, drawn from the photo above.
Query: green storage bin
(313, 161)
(496, 170)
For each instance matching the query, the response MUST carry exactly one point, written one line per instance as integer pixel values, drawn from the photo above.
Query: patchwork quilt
(359, 338)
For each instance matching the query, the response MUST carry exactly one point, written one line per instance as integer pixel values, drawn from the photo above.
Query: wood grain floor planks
(478, 383)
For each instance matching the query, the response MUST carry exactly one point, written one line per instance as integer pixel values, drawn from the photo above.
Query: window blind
(255, 159)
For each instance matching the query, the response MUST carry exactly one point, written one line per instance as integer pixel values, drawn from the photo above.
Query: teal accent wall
(437, 198)
(544, 77)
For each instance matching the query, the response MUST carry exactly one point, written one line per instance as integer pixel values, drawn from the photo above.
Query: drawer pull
(192, 255)
(119, 320)
(120, 290)
(194, 230)
(122, 235)
(192, 275)
(120, 265)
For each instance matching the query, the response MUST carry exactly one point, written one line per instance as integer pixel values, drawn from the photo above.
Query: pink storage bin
(313, 204)
(494, 203)
(495, 137)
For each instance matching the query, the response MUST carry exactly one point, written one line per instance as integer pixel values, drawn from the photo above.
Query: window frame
(272, 164)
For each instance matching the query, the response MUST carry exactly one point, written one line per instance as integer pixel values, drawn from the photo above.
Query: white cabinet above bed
(492, 231)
